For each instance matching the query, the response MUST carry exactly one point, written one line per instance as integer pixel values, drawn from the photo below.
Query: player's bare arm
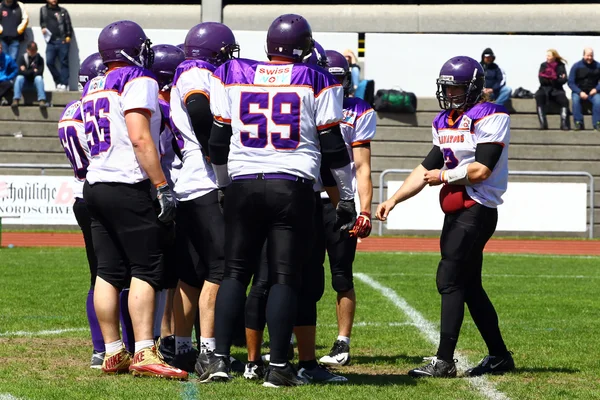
(138, 127)
(413, 184)
(362, 161)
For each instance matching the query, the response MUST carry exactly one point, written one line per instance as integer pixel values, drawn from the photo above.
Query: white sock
(207, 343)
(143, 344)
(344, 339)
(183, 344)
(159, 311)
(113, 347)
(292, 338)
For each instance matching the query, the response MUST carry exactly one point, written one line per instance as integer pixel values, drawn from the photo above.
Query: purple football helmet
(90, 68)
(317, 56)
(338, 67)
(211, 42)
(181, 47)
(125, 41)
(166, 59)
(290, 36)
(456, 72)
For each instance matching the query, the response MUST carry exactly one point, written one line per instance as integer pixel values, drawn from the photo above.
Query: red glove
(362, 226)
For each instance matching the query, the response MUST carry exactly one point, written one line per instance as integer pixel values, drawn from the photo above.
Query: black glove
(345, 216)
(167, 203)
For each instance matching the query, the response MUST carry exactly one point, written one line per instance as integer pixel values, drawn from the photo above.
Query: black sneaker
(283, 376)
(236, 365)
(212, 368)
(97, 359)
(493, 365)
(254, 371)
(166, 348)
(436, 369)
(338, 356)
(579, 126)
(320, 374)
(185, 361)
(597, 127)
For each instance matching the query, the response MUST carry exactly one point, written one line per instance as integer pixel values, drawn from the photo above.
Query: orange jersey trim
(320, 128)
(144, 111)
(195, 92)
(358, 143)
(221, 119)
(70, 120)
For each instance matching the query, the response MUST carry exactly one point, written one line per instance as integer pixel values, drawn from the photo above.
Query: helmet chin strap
(133, 60)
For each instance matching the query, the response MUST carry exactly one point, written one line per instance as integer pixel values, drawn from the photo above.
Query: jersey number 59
(281, 109)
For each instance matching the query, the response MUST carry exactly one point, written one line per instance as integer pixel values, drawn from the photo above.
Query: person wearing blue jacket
(584, 81)
(8, 72)
(495, 79)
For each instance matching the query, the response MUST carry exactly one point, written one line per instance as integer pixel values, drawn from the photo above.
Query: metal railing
(517, 173)
(42, 167)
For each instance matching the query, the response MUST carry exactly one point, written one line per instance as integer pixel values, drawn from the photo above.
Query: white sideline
(429, 330)
(363, 324)
(545, 276)
(41, 333)
(8, 396)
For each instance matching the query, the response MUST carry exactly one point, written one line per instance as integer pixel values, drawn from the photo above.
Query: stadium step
(28, 157)
(54, 98)
(47, 145)
(28, 128)
(30, 113)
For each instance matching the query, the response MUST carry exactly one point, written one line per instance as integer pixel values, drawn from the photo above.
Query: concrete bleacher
(401, 142)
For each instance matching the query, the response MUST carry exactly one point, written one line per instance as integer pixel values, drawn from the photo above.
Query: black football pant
(279, 212)
(82, 215)
(126, 233)
(313, 281)
(341, 249)
(464, 236)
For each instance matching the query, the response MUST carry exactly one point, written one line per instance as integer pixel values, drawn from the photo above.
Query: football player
(122, 124)
(166, 59)
(285, 115)
(469, 158)
(71, 133)
(207, 45)
(358, 129)
(311, 291)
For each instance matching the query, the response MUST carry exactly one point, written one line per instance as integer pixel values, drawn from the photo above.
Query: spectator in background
(495, 78)
(354, 68)
(13, 22)
(584, 82)
(552, 76)
(31, 69)
(8, 72)
(55, 21)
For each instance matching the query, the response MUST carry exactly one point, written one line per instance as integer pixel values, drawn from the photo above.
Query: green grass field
(548, 306)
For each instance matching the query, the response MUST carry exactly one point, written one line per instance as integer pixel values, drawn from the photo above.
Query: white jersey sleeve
(494, 128)
(220, 104)
(434, 135)
(365, 128)
(329, 106)
(140, 93)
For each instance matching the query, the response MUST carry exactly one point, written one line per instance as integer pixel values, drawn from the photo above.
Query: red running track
(518, 246)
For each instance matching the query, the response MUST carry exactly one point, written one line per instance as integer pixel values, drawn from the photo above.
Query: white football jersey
(196, 177)
(105, 101)
(358, 127)
(169, 160)
(458, 136)
(275, 111)
(72, 137)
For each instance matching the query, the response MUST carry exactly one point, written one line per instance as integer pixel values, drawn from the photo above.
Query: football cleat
(493, 365)
(212, 368)
(254, 371)
(283, 376)
(320, 374)
(236, 365)
(117, 363)
(185, 361)
(338, 356)
(436, 368)
(166, 348)
(97, 359)
(147, 362)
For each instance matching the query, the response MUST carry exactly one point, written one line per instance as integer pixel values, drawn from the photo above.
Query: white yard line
(430, 331)
(524, 255)
(363, 324)
(41, 333)
(8, 396)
